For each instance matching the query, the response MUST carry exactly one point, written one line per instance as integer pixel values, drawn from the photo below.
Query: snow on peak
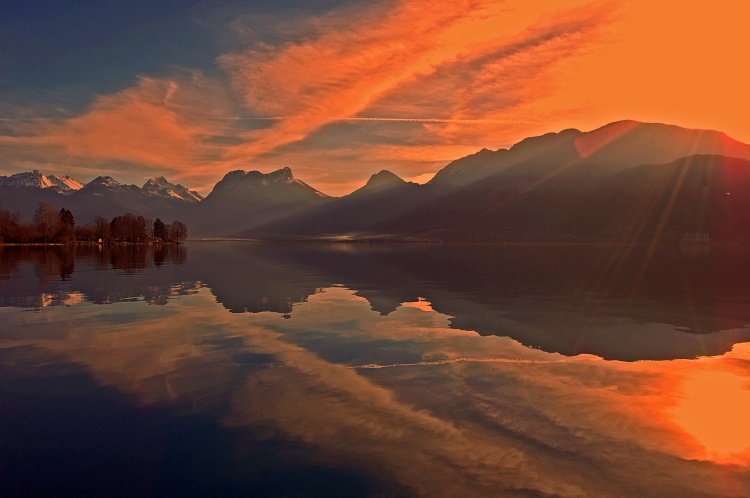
(37, 179)
(157, 181)
(66, 183)
(104, 181)
(159, 186)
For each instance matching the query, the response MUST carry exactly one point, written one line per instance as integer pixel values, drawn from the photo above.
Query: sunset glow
(341, 91)
(714, 409)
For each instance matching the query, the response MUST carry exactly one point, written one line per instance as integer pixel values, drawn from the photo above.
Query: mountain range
(627, 182)
(102, 196)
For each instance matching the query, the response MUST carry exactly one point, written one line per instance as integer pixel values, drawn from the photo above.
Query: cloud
(415, 61)
(157, 125)
(412, 84)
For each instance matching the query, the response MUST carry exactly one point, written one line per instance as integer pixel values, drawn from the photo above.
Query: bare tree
(46, 220)
(101, 228)
(177, 231)
(10, 226)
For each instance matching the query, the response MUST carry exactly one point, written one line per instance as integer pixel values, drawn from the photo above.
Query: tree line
(52, 226)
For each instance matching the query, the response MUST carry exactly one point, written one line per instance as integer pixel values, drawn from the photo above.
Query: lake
(290, 369)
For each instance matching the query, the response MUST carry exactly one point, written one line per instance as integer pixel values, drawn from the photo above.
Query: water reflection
(38, 277)
(715, 408)
(615, 302)
(378, 384)
(398, 404)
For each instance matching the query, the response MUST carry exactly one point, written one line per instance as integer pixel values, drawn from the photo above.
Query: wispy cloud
(163, 125)
(454, 63)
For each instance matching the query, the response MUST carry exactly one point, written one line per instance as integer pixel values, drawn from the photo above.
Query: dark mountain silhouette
(626, 181)
(246, 199)
(701, 194)
(571, 153)
(550, 188)
(660, 202)
(380, 182)
(384, 197)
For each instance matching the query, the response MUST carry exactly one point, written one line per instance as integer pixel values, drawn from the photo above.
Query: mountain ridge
(528, 191)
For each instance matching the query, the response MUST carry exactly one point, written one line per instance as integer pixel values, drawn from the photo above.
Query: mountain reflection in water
(190, 382)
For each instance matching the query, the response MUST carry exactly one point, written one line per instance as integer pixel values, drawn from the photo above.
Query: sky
(339, 90)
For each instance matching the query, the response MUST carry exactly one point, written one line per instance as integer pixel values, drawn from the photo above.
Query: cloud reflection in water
(473, 416)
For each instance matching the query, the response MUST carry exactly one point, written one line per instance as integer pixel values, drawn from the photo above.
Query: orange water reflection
(715, 409)
(444, 411)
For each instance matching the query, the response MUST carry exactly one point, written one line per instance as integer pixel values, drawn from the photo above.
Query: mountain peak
(284, 174)
(261, 185)
(384, 178)
(379, 182)
(631, 142)
(160, 186)
(103, 181)
(35, 178)
(156, 181)
(532, 145)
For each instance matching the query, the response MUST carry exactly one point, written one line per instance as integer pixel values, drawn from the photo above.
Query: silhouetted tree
(138, 230)
(101, 229)
(177, 232)
(10, 226)
(149, 226)
(160, 230)
(129, 228)
(46, 221)
(66, 230)
(86, 232)
(118, 229)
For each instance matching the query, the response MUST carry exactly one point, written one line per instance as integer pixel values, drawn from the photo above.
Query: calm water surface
(245, 369)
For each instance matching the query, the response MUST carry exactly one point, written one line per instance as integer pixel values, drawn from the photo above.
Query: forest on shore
(50, 226)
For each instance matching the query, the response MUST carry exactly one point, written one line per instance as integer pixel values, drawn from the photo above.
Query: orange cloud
(135, 125)
(448, 62)
(403, 85)
(157, 126)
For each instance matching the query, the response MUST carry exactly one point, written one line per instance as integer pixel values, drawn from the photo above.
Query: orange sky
(443, 81)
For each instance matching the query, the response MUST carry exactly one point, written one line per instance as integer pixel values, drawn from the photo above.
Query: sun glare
(420, 304)
(714, 409)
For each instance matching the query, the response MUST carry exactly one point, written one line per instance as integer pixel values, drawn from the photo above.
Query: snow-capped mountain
(103, 182)
(159, 186)
(40, 180)
(102, 196)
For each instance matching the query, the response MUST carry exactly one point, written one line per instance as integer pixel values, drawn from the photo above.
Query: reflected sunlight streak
(714, 409)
